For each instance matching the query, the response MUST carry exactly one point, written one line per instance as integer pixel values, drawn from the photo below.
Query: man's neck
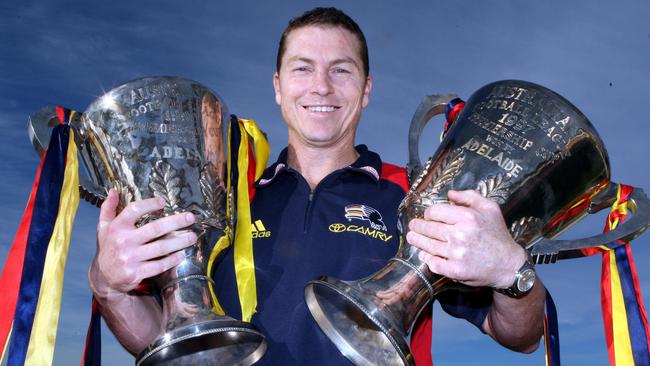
(315, 163)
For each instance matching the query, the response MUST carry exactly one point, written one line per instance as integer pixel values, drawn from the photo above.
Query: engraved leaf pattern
(443, 174)
(447, 171)
(496, 188)
(525, 229)
(214, 197)
(166, 182)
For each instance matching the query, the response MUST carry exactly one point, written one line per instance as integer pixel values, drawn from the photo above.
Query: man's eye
(340, 70)
(301, 69)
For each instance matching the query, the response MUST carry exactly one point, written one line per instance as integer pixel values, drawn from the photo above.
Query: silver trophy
(518, 144)
(165, 137)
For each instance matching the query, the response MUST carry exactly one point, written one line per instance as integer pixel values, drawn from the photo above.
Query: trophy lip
(213, 327)
(145, 80)
(397, 340)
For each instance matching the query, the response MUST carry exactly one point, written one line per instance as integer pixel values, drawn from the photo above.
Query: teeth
(321, 108)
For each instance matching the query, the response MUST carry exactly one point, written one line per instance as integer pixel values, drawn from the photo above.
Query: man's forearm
(134, 320)
(517, 324)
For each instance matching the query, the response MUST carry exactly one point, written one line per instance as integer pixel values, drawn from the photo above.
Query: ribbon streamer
(243, 246)
(551, 333)
(12, 272)
(93, 350)
(246, 164)
(34, 270)
(624, 315)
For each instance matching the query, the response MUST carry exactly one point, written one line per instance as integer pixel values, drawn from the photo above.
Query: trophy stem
(368, 320)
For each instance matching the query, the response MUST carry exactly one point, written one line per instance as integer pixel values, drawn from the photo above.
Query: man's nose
(322, 83)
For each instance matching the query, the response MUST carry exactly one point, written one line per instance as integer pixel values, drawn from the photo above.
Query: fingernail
(161, 201)
(191, 237)
(189, 218)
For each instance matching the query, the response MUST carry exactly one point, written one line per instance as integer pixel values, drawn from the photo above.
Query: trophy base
(360, 328)
(215, 342)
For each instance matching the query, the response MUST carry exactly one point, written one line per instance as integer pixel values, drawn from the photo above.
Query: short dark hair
(332, 17)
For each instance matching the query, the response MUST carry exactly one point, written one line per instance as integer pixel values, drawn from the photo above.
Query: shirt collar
(368, 163)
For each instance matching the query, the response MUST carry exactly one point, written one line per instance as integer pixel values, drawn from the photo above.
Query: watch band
(524, 280)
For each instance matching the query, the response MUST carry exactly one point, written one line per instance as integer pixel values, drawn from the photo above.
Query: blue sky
(595, 53)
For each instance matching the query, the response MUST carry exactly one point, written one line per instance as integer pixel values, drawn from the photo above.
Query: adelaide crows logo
(367, 213)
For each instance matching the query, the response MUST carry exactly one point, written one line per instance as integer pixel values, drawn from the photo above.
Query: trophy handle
(431, 105)
(548, 251)
(39, 126)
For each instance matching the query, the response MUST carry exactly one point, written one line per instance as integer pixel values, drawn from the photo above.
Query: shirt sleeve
(472, 305)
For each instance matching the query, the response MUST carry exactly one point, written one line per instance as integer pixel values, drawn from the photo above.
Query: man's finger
(432, 246)
(432, 229)
(163, 247)
(155, 267)
(107, 212)
(135, 210)
(163, 226)
(445, 213)
(436, 264)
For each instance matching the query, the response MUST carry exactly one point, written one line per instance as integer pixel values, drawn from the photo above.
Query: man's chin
(325, 140)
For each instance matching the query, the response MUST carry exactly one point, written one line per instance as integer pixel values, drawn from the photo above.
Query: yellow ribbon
(244, 261)
(222, 243)
(619, 206)
(621, 335)
(260, 146)
(623, 345)
(243, 247)
(43, 337)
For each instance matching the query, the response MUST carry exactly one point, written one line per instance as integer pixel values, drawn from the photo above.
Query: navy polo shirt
(345, 227)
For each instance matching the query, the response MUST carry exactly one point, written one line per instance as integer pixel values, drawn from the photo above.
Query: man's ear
(366, 91)
(276, 87)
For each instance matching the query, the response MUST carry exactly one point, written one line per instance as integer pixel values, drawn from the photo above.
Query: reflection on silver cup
(165, 137)
(518, 144)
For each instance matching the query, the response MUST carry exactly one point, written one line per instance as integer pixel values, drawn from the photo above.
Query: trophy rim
(214, 328)
(157, 77)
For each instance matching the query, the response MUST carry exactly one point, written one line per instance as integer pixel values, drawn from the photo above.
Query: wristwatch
(524, 280)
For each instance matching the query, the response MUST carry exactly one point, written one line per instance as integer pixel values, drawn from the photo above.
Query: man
(321, 85)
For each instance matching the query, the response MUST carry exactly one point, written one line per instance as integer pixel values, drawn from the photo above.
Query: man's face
(321, 87)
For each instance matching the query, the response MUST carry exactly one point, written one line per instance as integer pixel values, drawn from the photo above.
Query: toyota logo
(337, 228)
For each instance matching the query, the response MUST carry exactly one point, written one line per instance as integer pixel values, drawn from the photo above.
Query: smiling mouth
(321, 108)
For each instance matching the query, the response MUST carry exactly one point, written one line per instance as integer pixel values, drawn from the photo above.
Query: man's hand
(126, 255)
(467, 241)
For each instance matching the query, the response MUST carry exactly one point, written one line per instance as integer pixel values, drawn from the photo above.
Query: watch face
(526, 280)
